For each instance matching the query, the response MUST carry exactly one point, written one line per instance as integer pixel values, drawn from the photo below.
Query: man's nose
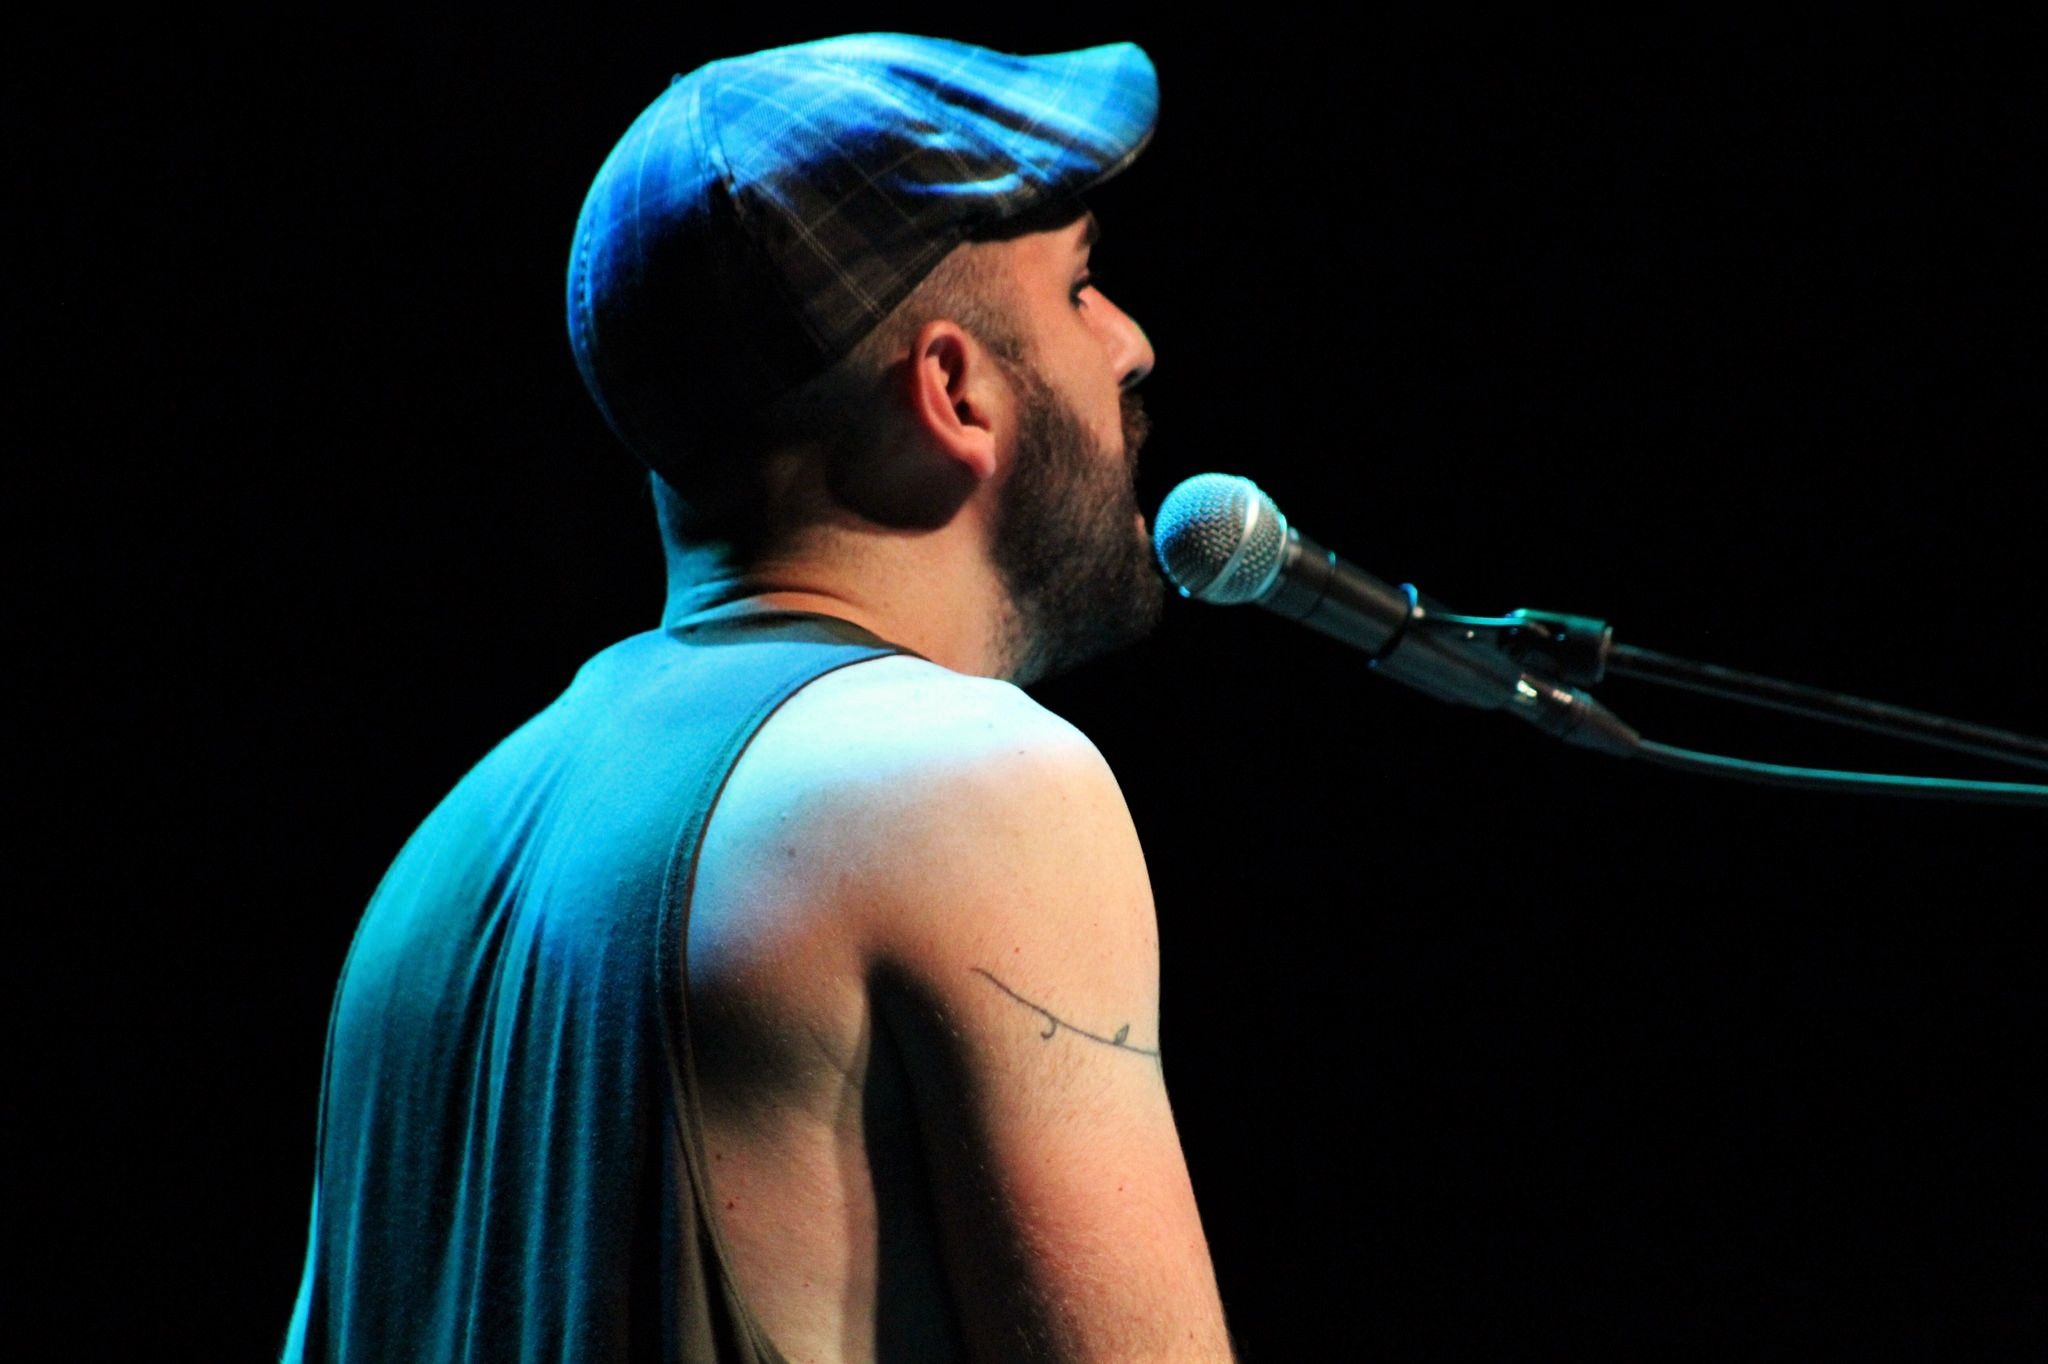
(1130, 350)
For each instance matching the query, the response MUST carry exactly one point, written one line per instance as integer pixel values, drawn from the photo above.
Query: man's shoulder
(904, 723)
(898, 773)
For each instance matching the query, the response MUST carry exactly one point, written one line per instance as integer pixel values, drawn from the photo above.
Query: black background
(1729, 333)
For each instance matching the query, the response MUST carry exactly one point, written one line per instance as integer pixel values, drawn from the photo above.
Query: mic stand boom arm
(1581, 650)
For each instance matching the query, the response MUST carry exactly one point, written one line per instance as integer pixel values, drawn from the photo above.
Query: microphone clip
(1572, 649)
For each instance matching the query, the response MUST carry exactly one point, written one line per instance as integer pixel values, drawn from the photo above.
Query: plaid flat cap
(767, 211)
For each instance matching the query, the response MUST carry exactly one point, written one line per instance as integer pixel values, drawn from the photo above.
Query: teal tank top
(510, 1159)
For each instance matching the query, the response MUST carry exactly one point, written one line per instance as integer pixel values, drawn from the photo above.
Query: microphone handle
(1345, 602)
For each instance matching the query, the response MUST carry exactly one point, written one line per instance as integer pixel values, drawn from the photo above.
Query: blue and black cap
(767, 211)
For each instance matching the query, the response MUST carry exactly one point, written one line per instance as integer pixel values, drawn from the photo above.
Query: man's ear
(959, 398)
(948, 403)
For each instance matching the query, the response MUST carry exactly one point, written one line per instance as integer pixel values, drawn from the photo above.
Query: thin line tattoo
(1053, 1023)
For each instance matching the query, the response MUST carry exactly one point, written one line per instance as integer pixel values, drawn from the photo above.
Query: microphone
(1220, 539)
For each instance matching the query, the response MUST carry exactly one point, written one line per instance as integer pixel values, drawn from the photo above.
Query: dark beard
(1077, 566)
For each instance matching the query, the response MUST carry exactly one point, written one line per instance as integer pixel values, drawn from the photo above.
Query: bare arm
(1018, 970)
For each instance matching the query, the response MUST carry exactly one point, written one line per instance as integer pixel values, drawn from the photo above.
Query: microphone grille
(1219, 539)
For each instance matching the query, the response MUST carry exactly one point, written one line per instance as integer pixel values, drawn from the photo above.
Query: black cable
(1864, 783)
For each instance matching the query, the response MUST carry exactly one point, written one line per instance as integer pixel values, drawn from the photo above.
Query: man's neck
(923, 593)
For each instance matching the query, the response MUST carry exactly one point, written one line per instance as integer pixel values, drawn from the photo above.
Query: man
(789, 988)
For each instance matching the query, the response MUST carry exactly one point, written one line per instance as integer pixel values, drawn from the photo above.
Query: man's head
(901, 422)
(783, 241)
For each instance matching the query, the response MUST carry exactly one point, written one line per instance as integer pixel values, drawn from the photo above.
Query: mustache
(1137, 429)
